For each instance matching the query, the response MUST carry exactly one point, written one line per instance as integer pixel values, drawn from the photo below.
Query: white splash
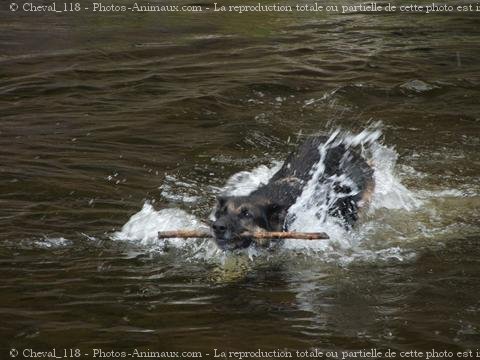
(310, 212)
(143, 227)
(389, 191)
(244, 182)
(52, 243)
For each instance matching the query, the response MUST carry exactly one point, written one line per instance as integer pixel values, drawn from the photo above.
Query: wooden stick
(255, 235)
(287, 235)
(184, 234)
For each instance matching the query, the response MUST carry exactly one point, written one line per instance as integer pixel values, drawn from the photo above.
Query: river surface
(114, 126)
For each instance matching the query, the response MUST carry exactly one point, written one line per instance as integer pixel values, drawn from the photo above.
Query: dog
(266, 208)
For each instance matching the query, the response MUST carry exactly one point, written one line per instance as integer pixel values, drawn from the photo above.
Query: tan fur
(232, 208)
(364, 203)
(289, 180)
(367, 195)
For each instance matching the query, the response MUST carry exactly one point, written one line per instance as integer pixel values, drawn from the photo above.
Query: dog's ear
(276, 216)
(219, 207)
(221, 201)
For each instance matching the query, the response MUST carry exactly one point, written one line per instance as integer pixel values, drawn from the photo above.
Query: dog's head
(237, 215)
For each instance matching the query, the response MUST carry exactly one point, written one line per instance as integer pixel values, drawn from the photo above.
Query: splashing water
(311, 210)
(309, 213)
(143, 227)
(389, 192)
(244, 182)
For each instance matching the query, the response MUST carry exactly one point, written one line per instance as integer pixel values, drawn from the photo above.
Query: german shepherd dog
(265, 209)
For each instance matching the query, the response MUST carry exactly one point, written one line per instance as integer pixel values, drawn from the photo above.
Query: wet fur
(266, 207)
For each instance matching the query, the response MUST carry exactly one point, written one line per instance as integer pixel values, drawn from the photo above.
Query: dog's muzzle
(226, 239)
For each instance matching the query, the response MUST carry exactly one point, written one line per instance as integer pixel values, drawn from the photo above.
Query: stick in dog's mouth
(255, 235)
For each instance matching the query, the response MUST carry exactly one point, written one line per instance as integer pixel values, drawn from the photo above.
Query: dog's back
(340, 161)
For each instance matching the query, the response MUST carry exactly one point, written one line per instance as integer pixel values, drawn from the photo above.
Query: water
(114, 127)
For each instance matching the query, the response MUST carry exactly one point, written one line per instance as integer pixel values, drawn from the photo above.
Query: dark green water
(102, 112)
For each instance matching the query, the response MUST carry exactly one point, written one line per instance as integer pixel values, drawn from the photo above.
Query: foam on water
(184, 191)
(310, 212)
(45, 243)
(143, 227)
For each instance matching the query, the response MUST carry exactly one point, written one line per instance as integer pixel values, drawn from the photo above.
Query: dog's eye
(246, 213)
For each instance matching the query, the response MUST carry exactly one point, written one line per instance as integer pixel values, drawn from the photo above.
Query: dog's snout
(219, 226)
